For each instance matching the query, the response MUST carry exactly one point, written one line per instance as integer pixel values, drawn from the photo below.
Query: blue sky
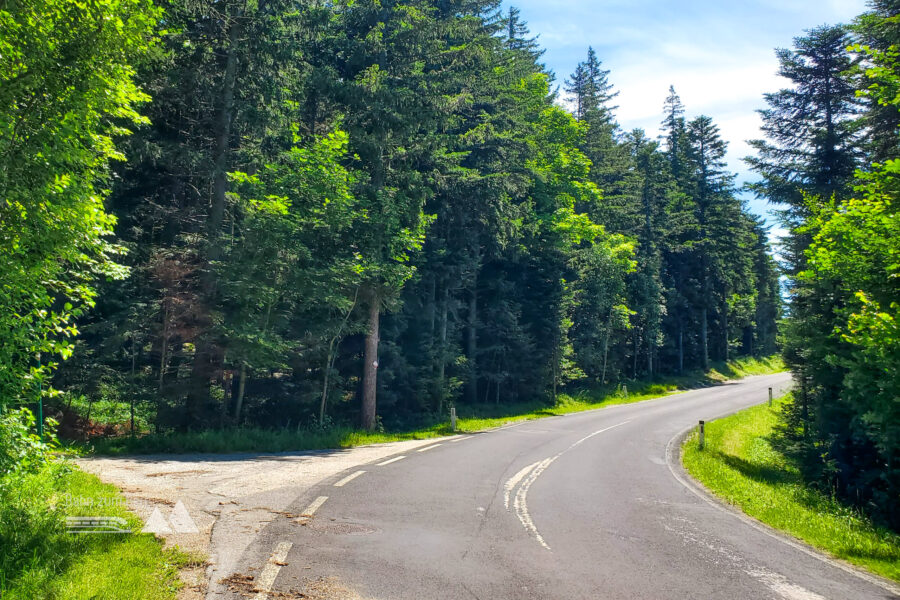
(719, 54)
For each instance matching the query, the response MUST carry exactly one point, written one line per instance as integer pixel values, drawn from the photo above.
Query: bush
(21, 450)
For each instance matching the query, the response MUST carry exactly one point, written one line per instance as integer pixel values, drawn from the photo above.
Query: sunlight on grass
(740, 465)
(60, 566)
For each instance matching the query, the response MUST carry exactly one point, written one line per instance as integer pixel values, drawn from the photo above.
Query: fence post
(453, 418)
(702, 434)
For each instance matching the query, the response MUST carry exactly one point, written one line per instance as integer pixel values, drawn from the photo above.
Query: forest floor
(741, 465)
(471, 418)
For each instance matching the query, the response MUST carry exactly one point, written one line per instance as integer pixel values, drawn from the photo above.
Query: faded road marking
(459, 439)
(521, 502)
(784, 588)
(266, 579)
(427, 448)
(393, 460)
(514, 481)
(530, 475)
(348, 479)
(311, 509)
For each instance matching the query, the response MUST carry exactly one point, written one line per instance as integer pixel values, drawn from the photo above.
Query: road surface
(583, 506)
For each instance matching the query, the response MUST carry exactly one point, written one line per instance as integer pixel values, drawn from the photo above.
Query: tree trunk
(704, 339)
(442, 350)
(207, 356)
(332, 356)
(226, 397)
(605, 354)
(370, 367)
(636, 343)
(133, 389)
(239, 403)
(680, 347)
(472, 344)
(725, 332)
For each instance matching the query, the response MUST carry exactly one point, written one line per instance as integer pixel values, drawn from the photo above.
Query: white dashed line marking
(393, 460)
(266, 579)
(348, 479)
(427, 448)
(311, 509)
(460, 439)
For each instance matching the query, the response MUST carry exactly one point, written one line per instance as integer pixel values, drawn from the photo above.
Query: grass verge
(471, 418)
(40, 560)
(740, 465)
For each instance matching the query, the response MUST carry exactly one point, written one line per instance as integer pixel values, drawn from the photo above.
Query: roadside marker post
(453, 418)
(702, 434)
(770, 397)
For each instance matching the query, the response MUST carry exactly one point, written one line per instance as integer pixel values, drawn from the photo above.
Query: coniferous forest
(226, 213)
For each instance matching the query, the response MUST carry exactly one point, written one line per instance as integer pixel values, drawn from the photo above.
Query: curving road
(583, 506)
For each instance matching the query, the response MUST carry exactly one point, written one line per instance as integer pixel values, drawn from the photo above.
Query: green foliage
(842, 335)
(21, 449)
(67, 90)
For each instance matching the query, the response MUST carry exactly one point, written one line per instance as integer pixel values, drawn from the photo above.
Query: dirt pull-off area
(228, 499)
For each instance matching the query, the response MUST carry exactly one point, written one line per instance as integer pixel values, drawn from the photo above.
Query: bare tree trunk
(165, 345)
(725, 327)
(227, 396)
(472, 344)
(242, 385)
(442, 349)
(704, 341)
(370, 367)
(332, 356)
(132, 394)
(636, 343)
(680, 347)
(605, 354)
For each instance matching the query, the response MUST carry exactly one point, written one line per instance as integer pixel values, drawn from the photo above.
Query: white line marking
(348, 479)
(427, 448)
(784, 588)
(533, 472)
(514, 481)
(267, 578)
(311, 509)
(459, 439)
(393, 460)
(521, 502)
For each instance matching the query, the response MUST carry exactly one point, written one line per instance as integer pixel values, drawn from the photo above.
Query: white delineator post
(770, 397)
(453, 418)
(702, 434)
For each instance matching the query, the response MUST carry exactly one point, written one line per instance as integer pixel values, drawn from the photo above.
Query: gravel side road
(230, 498)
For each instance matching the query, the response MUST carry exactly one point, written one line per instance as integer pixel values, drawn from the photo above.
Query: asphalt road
(583, 506)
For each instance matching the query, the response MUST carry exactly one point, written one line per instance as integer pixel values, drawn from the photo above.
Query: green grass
(740, 465)
(471, 419)
(41, 561)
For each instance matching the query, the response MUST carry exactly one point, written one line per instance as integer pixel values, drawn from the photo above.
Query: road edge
(676, 468)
